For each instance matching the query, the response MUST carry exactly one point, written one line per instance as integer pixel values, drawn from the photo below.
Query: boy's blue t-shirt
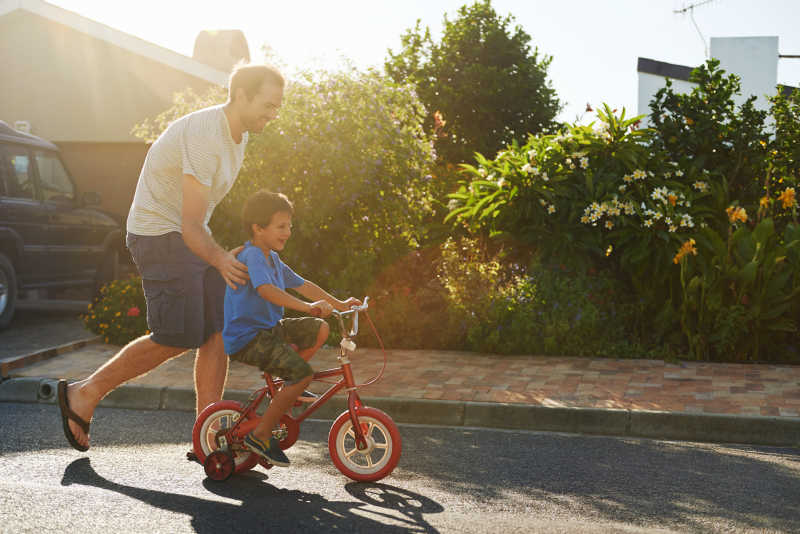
(246, 312)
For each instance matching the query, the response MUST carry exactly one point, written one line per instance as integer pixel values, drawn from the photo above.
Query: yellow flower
(688, 247)
(672, 199)
(764, 202)
(736, 214)
(609, 250)
(787, 197)
(117, 314)
(609, 225)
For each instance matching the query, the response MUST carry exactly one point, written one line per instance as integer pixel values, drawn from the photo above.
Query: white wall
(649, 84)
(753, 59)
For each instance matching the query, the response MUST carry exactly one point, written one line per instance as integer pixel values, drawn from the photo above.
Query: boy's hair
(251, 77)
(261, 206)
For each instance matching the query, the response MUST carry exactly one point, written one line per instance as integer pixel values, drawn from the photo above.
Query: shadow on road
(264, 507)
(629, 480)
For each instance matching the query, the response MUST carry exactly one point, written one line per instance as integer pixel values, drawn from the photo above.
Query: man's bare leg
(210, 371)
(136, 358)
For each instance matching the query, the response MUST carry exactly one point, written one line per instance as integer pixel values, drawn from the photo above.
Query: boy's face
(275, 234)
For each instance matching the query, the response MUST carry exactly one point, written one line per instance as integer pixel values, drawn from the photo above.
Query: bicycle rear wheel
(216, 417)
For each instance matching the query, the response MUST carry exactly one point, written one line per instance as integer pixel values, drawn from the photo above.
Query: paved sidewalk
(737, 389)
(580, 390)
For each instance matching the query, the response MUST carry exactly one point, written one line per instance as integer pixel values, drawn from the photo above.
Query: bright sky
(594, 44)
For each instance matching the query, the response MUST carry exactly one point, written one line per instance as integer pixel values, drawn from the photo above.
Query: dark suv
(49, 238)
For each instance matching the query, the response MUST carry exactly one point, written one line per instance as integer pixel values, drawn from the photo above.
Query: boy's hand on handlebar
(320, 308)
(347, 304)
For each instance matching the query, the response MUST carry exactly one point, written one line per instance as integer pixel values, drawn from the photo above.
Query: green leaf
(764, 230)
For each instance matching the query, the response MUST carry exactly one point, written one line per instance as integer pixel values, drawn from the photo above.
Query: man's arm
(199, 241)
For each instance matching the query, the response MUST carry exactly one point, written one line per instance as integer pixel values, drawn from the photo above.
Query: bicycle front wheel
(382, 453)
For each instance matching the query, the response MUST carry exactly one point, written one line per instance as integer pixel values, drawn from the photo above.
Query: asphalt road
(135, 479)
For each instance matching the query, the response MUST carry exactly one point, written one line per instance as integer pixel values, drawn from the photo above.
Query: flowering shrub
(707, 189)
(119, 314)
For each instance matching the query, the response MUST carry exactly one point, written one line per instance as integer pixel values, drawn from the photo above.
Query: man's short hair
(261, 206)
(251, 77)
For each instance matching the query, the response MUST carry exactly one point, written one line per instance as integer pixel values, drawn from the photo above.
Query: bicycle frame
(249, 420)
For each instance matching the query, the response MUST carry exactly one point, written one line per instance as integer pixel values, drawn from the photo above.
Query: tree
(482, 84)
(350, 151)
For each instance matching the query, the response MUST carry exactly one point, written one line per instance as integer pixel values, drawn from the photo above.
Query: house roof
(9, 134)
(116, 37)
(680, 72)
(662, 68)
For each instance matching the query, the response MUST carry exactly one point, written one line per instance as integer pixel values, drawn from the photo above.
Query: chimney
(221, 49)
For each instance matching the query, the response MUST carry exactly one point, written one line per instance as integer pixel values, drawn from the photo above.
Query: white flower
(623, 187)
(531, 153)
(544, 176)
(527, 168)
(551, 209)
(584, 163)
(679, 173)
(648, 223)
(673, 228)
(501, 182)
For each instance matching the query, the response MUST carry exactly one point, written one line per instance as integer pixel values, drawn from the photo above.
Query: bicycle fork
(353, 400)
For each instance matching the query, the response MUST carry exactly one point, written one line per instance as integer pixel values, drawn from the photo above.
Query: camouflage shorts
(270, 350)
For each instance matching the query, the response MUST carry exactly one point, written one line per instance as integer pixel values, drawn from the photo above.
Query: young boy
(255, 331)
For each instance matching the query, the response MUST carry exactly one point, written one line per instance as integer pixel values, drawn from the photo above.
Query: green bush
(119, 314)
(349, 150)
(708, 189)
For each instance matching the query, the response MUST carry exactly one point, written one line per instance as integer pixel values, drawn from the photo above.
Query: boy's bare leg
(210, 371)
(283, 401)
(322, 336)
(136, 358)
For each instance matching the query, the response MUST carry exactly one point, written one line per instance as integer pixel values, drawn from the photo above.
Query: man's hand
(347, 304)
(323, 306)
(232, 270)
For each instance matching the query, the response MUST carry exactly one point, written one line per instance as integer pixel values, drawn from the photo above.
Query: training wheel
(219, 465)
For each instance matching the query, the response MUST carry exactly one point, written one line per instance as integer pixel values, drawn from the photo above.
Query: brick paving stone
(749, 389)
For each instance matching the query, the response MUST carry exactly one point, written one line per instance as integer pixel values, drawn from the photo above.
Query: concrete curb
(712, 428)
(15, 362)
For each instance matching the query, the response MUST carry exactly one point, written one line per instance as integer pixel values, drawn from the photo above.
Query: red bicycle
(364, 443)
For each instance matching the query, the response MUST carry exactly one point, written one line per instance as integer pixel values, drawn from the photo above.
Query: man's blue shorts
(185, 295)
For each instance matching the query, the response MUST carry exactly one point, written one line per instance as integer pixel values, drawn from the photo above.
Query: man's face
(275, 234)
(263, 107)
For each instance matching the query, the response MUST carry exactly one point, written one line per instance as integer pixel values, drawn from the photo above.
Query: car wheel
(8, 291)
(107, 271)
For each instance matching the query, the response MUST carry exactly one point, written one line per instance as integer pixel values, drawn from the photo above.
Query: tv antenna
(690, 9)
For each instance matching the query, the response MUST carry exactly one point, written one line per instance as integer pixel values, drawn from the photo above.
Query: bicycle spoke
(351, 453)
(369, 460)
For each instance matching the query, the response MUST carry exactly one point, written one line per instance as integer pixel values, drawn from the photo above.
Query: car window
(19, 182)
(53, 178)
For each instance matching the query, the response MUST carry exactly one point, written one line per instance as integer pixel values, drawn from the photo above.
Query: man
(186, 173)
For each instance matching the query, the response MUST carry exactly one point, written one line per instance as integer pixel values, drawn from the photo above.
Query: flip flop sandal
(67, 414)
